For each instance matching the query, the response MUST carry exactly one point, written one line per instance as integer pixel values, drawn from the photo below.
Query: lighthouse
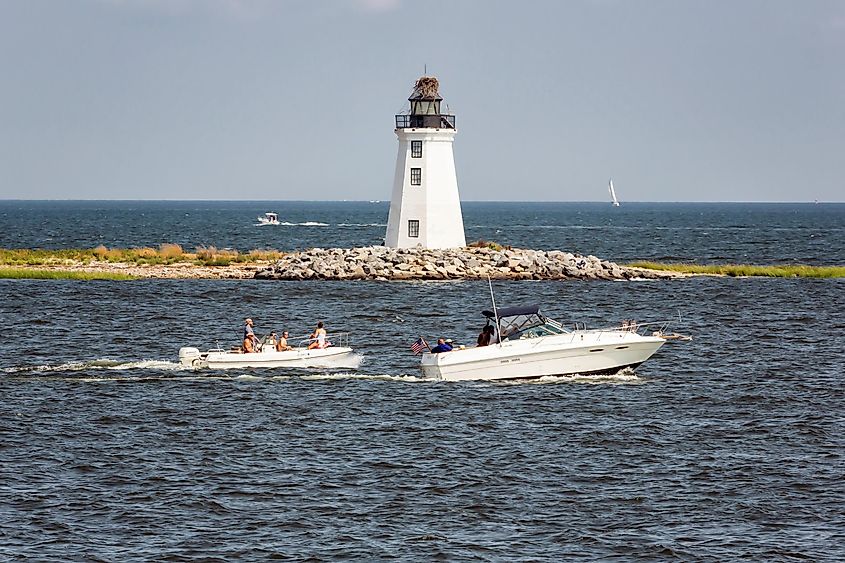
(425, 208)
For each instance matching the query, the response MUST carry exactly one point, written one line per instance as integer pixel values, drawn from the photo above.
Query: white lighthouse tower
(425, 209)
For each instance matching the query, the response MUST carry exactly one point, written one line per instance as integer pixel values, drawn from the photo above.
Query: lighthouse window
(416, 149)
(416, 176)
(413, 228)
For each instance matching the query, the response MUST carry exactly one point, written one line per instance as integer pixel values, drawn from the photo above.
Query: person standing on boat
(318, 337)
(250, 340)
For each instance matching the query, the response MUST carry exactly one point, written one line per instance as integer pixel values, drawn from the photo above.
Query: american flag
(418, 346)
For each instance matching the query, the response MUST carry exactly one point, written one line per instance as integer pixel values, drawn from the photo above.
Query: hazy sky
(261, 99)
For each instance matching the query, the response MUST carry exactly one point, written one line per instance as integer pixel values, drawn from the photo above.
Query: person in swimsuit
(318, 337)
(282, 344)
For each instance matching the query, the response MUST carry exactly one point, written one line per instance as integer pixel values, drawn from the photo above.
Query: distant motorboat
(269, 218)
(615, 201)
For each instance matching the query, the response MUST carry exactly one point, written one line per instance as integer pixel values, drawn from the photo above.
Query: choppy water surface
(727, 447)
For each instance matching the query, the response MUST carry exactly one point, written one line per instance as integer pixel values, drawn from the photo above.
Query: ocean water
(727, 447)
(765, 233)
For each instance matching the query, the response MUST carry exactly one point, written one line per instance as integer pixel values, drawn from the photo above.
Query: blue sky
(276, 100)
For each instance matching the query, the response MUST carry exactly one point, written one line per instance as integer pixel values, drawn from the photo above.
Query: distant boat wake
(318, 224)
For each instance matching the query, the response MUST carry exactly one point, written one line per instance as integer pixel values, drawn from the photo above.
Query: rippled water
(727, 447)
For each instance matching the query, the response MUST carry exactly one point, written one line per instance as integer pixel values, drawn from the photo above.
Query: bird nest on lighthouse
(427, 87)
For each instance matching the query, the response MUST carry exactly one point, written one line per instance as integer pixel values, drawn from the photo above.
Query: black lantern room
(425, 108)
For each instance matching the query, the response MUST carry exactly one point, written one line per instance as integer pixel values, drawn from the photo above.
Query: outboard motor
(187, 356)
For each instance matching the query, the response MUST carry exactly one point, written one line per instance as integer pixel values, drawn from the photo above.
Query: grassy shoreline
(165, 254)
(747, 270)
(41, 274)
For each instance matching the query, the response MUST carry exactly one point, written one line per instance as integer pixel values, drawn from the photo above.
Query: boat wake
(624, 377)
(103, 364)
(366, 376)
(327, 370)
(304, 224)
(318, 224)
(352, 362)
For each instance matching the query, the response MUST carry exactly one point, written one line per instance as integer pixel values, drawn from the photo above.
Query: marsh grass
(166, 253)
(481, 243)
(742, 270)
(35, 274)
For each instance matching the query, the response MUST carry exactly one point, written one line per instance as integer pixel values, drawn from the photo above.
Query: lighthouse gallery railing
(419, 121)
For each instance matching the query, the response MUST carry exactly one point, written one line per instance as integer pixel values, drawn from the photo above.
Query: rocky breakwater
(382, 263)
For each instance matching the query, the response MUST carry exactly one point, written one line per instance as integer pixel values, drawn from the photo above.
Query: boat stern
(187, 356)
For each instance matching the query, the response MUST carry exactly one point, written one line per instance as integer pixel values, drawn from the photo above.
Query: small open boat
(336, 354)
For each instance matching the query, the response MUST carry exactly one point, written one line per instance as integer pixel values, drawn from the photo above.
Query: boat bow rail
(339, 339)
(659, 329)
(526, 321)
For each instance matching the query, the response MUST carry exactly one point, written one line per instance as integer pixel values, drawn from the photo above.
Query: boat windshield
(525, 322)
(531, 328)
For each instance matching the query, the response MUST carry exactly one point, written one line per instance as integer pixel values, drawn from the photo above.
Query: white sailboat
(612, 193)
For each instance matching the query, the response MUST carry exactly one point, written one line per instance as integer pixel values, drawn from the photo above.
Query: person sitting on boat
(250, 340)
(318, 337)
(282, 344)
(442, 346)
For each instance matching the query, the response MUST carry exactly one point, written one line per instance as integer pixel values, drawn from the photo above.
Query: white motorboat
(336, 354)
(269, 218)
(533, 345)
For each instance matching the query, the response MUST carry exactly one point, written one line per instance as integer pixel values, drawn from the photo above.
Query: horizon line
(811, 202)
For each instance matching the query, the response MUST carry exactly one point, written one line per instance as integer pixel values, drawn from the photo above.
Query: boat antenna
(495, 312)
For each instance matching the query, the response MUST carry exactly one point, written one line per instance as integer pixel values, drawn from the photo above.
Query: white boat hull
(334, 356)
(582, 352)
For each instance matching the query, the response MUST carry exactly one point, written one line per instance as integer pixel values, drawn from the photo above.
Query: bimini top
(513, 311)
